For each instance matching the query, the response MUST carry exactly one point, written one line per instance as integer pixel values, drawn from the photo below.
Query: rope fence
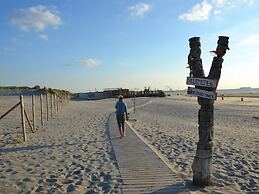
(53, 104)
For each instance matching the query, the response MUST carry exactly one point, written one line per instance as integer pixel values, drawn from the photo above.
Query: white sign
(201, 93)
(201, 82)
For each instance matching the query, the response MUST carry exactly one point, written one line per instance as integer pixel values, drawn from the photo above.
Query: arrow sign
(201, 93)
(201, 82)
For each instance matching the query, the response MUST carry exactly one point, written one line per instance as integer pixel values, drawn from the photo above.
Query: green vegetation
(37, 88)
(57, 92)
(14, 88)
(18, 141)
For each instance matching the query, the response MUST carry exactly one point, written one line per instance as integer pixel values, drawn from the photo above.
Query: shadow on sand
(178, 188)
(31, 148)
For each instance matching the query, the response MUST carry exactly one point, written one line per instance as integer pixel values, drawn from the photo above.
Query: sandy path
(170, 124)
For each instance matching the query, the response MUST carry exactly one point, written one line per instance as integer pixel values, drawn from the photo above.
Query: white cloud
(44, 37)
(139, 9)
(252, 40)
(219, 3)
(89, 62)
(226, 4)
(199, 12)
(37, 18)
(249, 2)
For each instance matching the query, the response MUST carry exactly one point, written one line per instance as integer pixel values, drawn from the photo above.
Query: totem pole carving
(201, 166)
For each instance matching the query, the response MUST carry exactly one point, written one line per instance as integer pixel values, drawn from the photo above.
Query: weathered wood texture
(202, 163)
(11, 109)
(33, 113)
(28, 120)
(47, 106)
(41, 110)
(23, 118)
(51, 105)
(142, 171)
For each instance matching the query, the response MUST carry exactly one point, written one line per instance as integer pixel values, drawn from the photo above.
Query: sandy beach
(72, 152)
(170, 125)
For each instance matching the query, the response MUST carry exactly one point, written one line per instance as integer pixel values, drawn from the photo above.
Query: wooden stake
(54, 103)
(28, 120)
(51, 106)
(47, 107)
(10, 110)
(134, 104)
(33, 113)
(22, 117)
(57, 103)
(41, 110)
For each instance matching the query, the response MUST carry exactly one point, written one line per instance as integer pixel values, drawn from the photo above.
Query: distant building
(91, 96)
(115, 92)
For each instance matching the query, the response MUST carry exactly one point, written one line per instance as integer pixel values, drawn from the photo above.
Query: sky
(89, 45)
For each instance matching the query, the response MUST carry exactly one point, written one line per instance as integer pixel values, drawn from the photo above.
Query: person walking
(121, 114)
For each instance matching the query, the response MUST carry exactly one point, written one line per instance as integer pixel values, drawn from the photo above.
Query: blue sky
(86, 45)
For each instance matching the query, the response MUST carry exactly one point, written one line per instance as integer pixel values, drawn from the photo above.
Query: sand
(170, 125)
(72, 152)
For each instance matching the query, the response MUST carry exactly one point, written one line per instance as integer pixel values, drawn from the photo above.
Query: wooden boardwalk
(142, 171)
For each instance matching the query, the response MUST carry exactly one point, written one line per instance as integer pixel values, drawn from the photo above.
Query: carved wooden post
(201, 166)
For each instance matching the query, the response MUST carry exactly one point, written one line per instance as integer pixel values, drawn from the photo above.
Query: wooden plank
(141, 169)
(201, 93)
(10, 110)
(201, 82)
(22, 118)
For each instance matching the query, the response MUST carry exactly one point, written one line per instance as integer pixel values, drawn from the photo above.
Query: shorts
(120, 120)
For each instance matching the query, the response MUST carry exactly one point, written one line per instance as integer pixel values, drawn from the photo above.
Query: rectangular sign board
(201, 93)
(201, 82)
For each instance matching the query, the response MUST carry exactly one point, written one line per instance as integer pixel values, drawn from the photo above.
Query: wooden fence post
(47, 106)
(41, 110)
(33, 113)
(60, 103)
(54, 103)
(23, 119)
(51, 106)
(134, 104)
(57, 103)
